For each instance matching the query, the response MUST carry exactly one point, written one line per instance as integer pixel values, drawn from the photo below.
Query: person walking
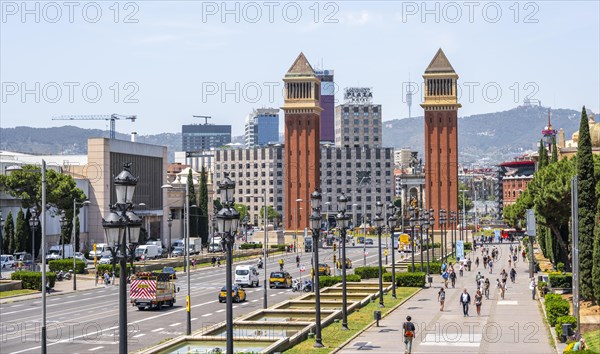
(453, 278)
(477, 278)
(513, 274)
(478, 299)
(486, 288)
(297, 261)
(465, 300)
(476, 262)
(532, 288)
(524, 256)
(490, 265)
(409, 335)
(469, 264)
(485, 261)
(97, 277)
(106, 279)
(281, 264)
(445, 277)
(441, 298)
(461, 269)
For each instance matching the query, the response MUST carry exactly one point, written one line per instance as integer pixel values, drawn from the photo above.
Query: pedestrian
(513, 274)
(461, 269)
(477, 277)
(213, 261)
(469, 264)
(409, 335)
(445, 277)
(218, 262)
(490, 265)
(441, 298)
(486, 288)
(509, 261)
(297, 261)
(465, 300)
(532, 288)
(485, 261)
(478, 299)
(281, 264)
(453, 278)
(504, 276)
(194, 263)
(502, 289)
(106, 279)
(476, 262)
(97, 277)
(523, 255)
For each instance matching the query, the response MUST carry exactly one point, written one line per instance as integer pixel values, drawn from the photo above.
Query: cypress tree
(543, 156)
(20, 232)
(587, 207)
(596, 258)
(77, 227)
(8, 236)
(554, 150)
(203, 200)
(193, 212)
(28, 232)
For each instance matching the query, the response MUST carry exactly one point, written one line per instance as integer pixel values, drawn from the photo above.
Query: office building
(358, 120)
(327, 102)
(262, 127)
(196, 137)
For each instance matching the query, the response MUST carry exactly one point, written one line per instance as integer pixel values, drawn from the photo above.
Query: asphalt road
(87, 321)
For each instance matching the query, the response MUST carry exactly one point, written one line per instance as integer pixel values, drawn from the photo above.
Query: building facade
(258, 174)
(517, 174)
(327, 102)
(196, 137)
(364, 174)
(302, 135)
(441, 135)
(358, 123)
(262, 127)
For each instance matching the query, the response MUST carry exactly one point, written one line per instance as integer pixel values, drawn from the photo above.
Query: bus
(511, 233)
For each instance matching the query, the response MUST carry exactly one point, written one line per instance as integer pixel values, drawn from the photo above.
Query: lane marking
(175, 324)
(139, 335)
(221, 310)
(193, 319)
(206, 314)
(96, 348)
(157, 329)
(254, 300)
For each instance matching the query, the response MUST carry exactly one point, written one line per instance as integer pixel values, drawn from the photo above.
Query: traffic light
(334, 247)
(334, 258)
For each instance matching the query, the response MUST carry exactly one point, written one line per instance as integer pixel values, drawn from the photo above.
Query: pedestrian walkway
(512, 325)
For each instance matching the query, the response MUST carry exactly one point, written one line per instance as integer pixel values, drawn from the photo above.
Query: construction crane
(112, 118)
(206, 118)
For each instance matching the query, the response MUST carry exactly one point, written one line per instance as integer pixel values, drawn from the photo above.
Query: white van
(246, 275)
(102, 250)
(56, 252)
(148, 251)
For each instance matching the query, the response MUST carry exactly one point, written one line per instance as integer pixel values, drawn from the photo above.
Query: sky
(167, 61)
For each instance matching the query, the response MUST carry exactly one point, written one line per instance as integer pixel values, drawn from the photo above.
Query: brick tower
(441, 135)
(302, 134)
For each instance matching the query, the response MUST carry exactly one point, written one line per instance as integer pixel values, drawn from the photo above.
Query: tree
(272, 214)
(468, 203)
(587, 207)
(193, 211)
(77, 247)
(242, 210)
(26, 184)
(20, 233)
(8, 236)
(203, 206)
(596, 255)
(554, 150)
(542, 156)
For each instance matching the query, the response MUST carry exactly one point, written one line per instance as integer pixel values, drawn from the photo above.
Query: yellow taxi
(324, 269)
(348, 264)
(280, 280)
(237, 293)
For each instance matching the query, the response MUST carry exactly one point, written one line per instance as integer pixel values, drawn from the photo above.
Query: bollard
(377, 316)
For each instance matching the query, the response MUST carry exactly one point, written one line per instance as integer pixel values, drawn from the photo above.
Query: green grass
(592, 339)
(333, 336)
(9, 293)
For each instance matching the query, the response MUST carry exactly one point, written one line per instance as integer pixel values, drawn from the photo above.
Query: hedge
(250, 246)
(434, 267)
(33, 280)
(326, 280)
(279, 247)
(367, 272)
(556, 309)
(108, 268)
(407, 279)
(561, 280)
(67, 264)
(541, 285)
(565, 319)
(552, 297)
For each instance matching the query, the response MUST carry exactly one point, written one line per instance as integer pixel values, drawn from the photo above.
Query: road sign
(302, 269)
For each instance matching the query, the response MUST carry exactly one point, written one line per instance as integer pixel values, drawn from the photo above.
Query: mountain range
(482, 139)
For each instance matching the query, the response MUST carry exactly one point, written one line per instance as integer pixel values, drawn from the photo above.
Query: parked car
(23, 257)
(7, 261)
(237, 293)
(280, 280)
(368, 241)
(178, 251)
(171, 271)
(215, 247)
(324, 269)
(106, 259)
(80, 256)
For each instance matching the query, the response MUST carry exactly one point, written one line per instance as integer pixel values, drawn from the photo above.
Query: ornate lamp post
(342, 221)
(170, 224)
(122, 226)
(421, 227)
(63, 226)
(227, 222)
(443, 219)
(315, 225)
(432, 226)
(392, 222)
(412, 222)
(379, 223)
(2, 241)
(74, 235)
(426, 227)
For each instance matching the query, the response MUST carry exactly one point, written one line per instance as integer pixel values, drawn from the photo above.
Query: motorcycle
(67, 275)
(307, 286)
(296, 286)
(60, 275)
(259, 264)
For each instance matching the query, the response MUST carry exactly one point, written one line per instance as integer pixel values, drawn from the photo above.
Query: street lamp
(75, 203)
(443, 219)
(227, 222)
(122, 226)
(170, 224)
(265, 282)
(431, 224)
(33, 224)
(464, 215)
(298, 201)
(452, 230)
(412, 221)
(342, 221)
(63, 226)
(379, 223)
(421, 227)
(1, 240)
(315, 225)
(426, 227)
(392, 222)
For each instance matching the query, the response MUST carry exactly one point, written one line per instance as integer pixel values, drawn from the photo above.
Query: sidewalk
(512, 325)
